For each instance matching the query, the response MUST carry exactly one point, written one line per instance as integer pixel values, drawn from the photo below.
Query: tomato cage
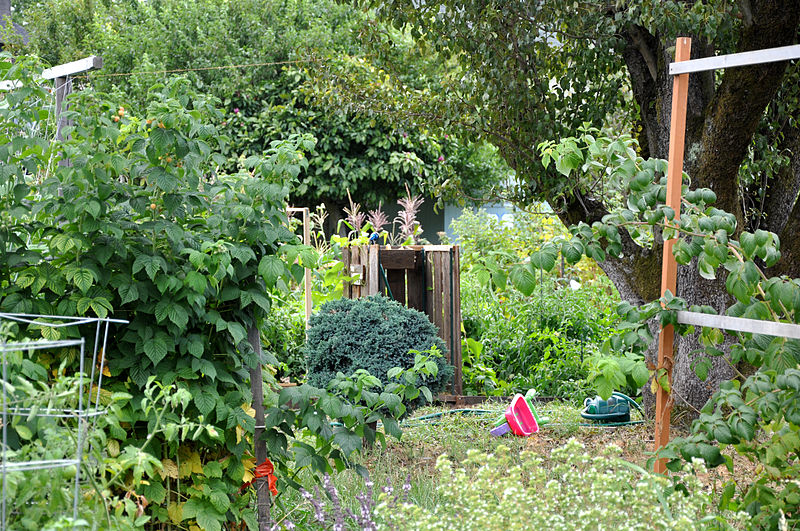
(52, 377)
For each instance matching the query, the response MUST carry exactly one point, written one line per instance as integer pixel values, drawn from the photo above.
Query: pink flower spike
(236, 110)
(441, 158)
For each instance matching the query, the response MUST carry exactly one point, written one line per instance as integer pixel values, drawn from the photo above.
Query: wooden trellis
(681, 69)
(423, 277)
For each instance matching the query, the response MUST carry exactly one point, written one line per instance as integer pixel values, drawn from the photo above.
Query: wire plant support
(85, 392)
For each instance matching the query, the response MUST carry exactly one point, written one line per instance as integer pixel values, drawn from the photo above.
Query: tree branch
(636, 273)
(643, 71)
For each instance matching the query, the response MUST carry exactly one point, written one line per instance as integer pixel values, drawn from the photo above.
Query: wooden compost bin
(423, 277)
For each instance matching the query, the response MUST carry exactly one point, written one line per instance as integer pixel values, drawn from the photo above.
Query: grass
(412, 459)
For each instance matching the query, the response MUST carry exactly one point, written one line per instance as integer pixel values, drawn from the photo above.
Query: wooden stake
(669, 267)
(307, 278)
(263, 499)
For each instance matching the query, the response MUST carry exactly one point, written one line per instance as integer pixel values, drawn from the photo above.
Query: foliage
(493, 249)
(506, 491)
(371, 333)
(756, 415)
(283, 335)
(539, 337)
(371, 157)
(108, 499)
(321, 430)
(542, 341)
(141, 225)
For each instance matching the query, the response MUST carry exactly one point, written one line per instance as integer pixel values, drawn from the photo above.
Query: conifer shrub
(372, 333)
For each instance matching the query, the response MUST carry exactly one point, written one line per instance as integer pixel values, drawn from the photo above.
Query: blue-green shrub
(372, 333)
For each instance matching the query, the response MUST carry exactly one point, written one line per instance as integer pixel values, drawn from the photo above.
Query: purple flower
(445, 137)
(441, 158)
(236, 110)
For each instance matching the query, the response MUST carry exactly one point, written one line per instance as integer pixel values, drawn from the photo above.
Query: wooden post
(62, 80)
(669, 268)
(456, 295)
(307, 278)
(307, 241)
(263, 500)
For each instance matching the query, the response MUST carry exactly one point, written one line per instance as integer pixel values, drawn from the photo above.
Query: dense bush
(372, 333)
(143, 226)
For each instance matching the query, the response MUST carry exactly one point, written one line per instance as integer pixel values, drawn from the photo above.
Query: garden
(222, 306)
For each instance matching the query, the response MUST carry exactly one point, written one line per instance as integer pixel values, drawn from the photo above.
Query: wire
(199, 69)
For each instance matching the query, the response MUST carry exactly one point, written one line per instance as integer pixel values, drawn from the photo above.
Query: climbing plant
(757, 414)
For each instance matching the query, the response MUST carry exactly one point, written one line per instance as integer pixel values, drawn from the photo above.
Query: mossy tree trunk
(723, 117)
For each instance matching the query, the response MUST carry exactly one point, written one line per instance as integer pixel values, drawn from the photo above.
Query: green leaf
(727, 495)
(348, 441)
(24, 432)
(196, 347)
(209, 519)
(155, 348)
(701, 368)
(205, 400)
(706, 269)
(220, 501)
(748, 243)
(524, 278)
(159, 138)
(164, 180)
(640, 374)
(237, 331)
(128, 293)
(196, 281)
(426, 393)
(603, 386)
(710, 454)
(101, 306)
(573, 251)
(83, 279)
(177, 314)
(270, 268)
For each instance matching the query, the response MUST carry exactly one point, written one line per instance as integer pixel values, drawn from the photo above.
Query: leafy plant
(142, 225)
(755, 415)
(371, 333)
(486, 489)
(320, 430)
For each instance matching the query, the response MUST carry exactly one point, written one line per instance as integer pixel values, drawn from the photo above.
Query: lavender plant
(324, 508)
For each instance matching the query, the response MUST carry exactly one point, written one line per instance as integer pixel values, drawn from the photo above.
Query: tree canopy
(523, 73)
(372, 158)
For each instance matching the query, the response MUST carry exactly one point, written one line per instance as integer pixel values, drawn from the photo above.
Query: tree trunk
(721, 122)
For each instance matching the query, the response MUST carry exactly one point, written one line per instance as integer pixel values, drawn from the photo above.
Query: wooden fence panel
(447, 306)
(429, 291)
(456, 347)
(425, 278)
(373, 275)
(415, 285)
(397, 283)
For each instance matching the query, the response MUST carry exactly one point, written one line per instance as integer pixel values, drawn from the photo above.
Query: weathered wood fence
(423, 277)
